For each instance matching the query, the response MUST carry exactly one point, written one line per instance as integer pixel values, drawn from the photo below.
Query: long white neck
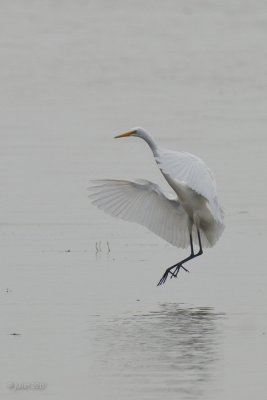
(150, 141)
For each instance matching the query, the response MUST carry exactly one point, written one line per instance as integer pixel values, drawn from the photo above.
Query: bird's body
(190, 215)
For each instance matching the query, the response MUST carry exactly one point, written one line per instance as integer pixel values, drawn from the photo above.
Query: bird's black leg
(200, 244)
(179, 265)
(192, 255)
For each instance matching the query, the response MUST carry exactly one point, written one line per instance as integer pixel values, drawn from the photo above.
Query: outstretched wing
(193, 172)
(143, 202)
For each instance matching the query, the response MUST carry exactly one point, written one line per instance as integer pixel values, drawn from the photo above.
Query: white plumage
(193, 172)
(191, 215)
(143, 202)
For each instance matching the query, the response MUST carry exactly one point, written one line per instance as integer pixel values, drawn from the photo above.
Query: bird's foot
(173, 274)
(165, 276)
(177, 269)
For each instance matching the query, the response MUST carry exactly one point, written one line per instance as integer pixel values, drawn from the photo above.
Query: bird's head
(137, 132)
(141, 133)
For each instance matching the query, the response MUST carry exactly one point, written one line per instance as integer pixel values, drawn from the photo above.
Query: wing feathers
(193, 172)
(145, 203)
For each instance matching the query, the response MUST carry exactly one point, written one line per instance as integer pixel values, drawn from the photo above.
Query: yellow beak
(128, 133)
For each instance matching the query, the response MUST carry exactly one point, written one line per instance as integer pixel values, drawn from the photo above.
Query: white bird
(192, 215)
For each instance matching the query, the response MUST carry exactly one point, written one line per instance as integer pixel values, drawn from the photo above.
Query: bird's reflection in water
(171, 352)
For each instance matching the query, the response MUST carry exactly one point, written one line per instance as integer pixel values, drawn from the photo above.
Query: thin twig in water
(108, 247)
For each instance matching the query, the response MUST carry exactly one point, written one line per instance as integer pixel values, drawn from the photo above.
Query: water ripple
(172, 350)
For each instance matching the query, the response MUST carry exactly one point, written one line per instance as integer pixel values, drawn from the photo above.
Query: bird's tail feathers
(211, 234)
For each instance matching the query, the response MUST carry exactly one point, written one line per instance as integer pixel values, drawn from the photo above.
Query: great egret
(191, 215)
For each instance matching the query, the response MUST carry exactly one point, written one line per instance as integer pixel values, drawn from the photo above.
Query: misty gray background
(92, 323)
